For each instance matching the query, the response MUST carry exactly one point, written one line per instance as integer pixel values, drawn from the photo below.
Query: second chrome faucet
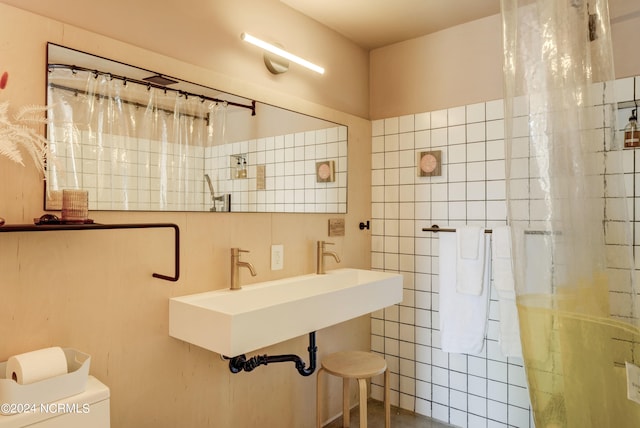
(320, 255)
(236, 264)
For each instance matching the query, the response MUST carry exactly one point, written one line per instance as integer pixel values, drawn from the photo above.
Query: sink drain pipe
(240, 363)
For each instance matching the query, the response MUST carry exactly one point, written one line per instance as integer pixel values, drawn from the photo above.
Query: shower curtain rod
(133, 103)
(126, 80)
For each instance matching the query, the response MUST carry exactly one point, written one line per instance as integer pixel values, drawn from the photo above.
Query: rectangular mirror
(139, 140)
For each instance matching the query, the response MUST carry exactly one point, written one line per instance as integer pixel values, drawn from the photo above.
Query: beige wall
(207, 34)
(458, 66)
(463, 65)
(93, 290)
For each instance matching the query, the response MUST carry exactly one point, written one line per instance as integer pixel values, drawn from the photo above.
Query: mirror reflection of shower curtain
(142, 147)
(578, 321)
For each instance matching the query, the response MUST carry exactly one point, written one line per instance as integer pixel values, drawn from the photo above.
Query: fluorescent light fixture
(281, 52)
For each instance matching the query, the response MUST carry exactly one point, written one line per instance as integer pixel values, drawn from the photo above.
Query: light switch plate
(277, 257)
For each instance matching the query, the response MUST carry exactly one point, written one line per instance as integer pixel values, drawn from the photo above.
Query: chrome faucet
(235, 268)
(321, 253)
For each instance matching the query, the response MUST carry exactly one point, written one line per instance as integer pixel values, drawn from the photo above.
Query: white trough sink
(235, 322)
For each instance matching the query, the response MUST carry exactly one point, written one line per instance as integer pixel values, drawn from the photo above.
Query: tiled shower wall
(475, 391)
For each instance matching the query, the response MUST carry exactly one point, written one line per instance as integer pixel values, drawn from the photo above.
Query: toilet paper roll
(37, 365)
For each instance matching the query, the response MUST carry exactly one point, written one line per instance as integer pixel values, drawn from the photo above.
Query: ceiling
(375, 23)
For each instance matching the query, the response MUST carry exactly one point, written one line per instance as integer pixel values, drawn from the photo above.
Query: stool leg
(387, 400)
(319, 399)
(346, 416)
(363, 402)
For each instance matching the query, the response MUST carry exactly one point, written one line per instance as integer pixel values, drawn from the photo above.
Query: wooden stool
(354, 365)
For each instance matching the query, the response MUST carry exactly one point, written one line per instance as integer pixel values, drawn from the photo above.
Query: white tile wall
(486, 390)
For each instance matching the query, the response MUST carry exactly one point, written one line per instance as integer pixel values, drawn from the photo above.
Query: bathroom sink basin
(235, 322)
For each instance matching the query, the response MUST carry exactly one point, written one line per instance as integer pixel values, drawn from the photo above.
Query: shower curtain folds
(133, 147)
(578, 315)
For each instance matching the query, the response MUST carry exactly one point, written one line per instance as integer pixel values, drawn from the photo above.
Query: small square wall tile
(422, 336)
(477, 406)
(439, 119)
(497, 391)
(439, 138)
(440, 376)
(422, 139)
(495, 109)
(406, 123)
(518, 396)
(422, 121)
(518, 417)
(517, 376)
(391, 125)
(456, 134)
(458, 362)
(439, 358)
(476, 421)
(497, 411)
(458, 400)
(423, 407)
(407, 385)
(423, 374)
(407, 402)
(407, 350)
(458, 418)
(440, 412)
(477, 366)
(624, 89)
(475, 132)
(407, 141)
(456, 116)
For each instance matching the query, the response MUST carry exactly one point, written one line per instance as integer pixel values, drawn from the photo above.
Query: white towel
(509, 338)
(509, 331)
(470, 260)
(463, 317)
(501, 262)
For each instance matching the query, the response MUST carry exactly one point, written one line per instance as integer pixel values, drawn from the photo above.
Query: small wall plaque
(336, 227)
(429, 163)
(325, 172)
(261, 177)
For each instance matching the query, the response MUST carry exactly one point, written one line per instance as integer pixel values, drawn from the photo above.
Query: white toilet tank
(88, 409)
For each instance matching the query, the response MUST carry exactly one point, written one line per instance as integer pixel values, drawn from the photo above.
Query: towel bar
(435, 228)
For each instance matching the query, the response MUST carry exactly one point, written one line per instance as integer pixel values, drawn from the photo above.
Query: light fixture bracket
(275, 63)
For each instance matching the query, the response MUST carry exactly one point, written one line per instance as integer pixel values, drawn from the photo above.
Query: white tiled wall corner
(449, 387)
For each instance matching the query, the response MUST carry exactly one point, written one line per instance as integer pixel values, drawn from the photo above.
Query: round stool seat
(354, 364)
(357, 365)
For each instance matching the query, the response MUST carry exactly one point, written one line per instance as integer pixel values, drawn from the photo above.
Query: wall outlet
(277, 257)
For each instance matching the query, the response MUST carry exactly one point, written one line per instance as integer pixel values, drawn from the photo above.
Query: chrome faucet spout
(320, 255)
(236, 264)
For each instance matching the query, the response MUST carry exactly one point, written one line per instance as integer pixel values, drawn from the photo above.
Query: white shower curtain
(133, 147)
